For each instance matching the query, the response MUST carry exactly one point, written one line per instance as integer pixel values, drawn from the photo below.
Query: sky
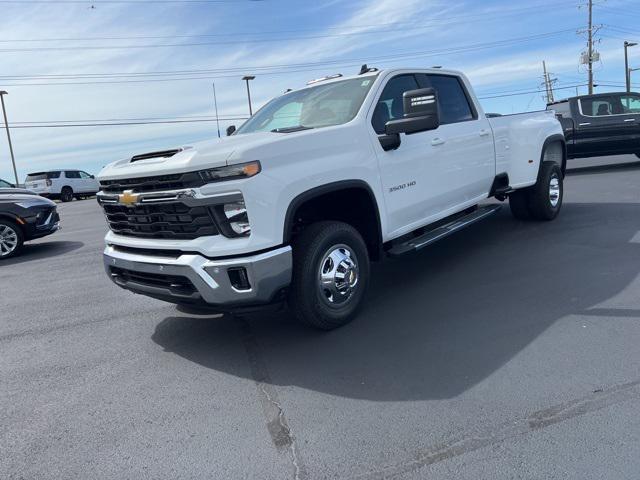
(70, 62)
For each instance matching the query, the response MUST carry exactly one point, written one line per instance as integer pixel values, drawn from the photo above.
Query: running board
(443, 231)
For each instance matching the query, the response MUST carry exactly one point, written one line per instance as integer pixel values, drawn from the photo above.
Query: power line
(97, 124)
(409, 26)
(188, 44)
(269, 69)
(139, 2)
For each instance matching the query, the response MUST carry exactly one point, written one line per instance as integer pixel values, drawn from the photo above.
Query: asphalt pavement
(509, 350)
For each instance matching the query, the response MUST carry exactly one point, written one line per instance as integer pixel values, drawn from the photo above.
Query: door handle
(437, 141)
(484, 132)
(583, 124)
(630, 120)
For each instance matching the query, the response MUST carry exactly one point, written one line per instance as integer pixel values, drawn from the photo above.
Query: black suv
(24, 216)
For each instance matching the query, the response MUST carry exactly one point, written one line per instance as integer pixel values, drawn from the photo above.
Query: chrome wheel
(8, 240)
(554, 191)
(338, 275)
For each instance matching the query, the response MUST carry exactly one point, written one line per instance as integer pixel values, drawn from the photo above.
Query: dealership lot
(508, 351)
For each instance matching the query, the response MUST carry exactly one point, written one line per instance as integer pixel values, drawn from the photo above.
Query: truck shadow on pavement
(439, 321)
(38, 251)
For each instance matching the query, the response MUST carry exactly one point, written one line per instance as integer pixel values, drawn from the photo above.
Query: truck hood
(201, 155)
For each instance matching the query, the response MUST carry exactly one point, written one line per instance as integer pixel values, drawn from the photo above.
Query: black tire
(10, 231)
(542, 196)
(519, 204)
(66, 195)
(310, 302)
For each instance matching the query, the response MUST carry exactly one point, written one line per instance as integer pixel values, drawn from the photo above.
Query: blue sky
(58, 61)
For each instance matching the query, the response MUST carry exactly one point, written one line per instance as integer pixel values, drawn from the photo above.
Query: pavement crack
(472, 441)
(277, 424)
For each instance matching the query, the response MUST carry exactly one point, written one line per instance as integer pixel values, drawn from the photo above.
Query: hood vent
(161, 154)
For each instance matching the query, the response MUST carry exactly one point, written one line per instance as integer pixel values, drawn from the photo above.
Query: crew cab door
(464, 142)
(432, 174)
(608, 124)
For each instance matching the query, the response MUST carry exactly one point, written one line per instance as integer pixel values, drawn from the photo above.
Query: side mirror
(231, 130)
(92, 176)
(420, 113)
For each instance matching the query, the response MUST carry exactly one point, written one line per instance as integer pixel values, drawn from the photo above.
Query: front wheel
(330, 275)
(11, 239)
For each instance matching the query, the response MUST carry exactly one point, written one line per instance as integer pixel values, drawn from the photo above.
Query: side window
(53, 175)
(596, 107)
(630, 104)
(452, 100)
(84, 175)
(71, 174)
(389, 106)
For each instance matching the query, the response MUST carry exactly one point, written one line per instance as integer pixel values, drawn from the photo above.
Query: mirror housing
(389, 142)
(230, 130)
(92, 176)
(420, 113)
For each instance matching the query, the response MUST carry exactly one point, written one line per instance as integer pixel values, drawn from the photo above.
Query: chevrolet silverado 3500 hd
(321, 180)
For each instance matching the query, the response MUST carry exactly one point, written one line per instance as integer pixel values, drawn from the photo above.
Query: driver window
(390, 106)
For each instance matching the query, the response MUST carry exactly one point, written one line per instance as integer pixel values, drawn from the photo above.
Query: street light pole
(215, 104)
(627, 71)
(6, 125)
(246, 78)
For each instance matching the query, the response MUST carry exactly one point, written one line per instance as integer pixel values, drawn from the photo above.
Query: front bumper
(190, 278)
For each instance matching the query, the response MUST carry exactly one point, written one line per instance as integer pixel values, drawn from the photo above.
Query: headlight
(232, 172)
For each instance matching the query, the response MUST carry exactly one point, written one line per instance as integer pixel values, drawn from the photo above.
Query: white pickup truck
(319, 182)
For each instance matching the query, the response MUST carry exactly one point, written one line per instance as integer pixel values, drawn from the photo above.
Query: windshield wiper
(297, 128)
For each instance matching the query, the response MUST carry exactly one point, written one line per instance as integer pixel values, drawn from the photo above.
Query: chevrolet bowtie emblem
(128, 198)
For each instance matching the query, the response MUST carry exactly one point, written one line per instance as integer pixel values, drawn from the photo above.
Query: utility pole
(548, 83)
(627, 70)
(6, 125)
(590, 47)
(246, 78)
(215, 104)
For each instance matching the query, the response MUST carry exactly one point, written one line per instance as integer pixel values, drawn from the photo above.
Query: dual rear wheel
(543, 200)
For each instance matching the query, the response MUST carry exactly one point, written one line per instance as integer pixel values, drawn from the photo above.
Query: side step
(438, 233)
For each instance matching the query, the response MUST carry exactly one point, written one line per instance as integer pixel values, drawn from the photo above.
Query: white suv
(62, 184)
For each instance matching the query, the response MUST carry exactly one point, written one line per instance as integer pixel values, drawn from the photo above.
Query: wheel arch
(557, 138)
(367, 222)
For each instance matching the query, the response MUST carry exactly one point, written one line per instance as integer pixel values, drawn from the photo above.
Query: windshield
(333, 103)
(4, 184)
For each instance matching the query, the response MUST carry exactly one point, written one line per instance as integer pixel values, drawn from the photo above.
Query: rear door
(629, 105)
(463, 145)
(72, 179)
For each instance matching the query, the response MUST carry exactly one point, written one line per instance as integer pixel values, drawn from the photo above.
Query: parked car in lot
(600, 125)
(63, 184)
(24, 216)
(316, 184)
